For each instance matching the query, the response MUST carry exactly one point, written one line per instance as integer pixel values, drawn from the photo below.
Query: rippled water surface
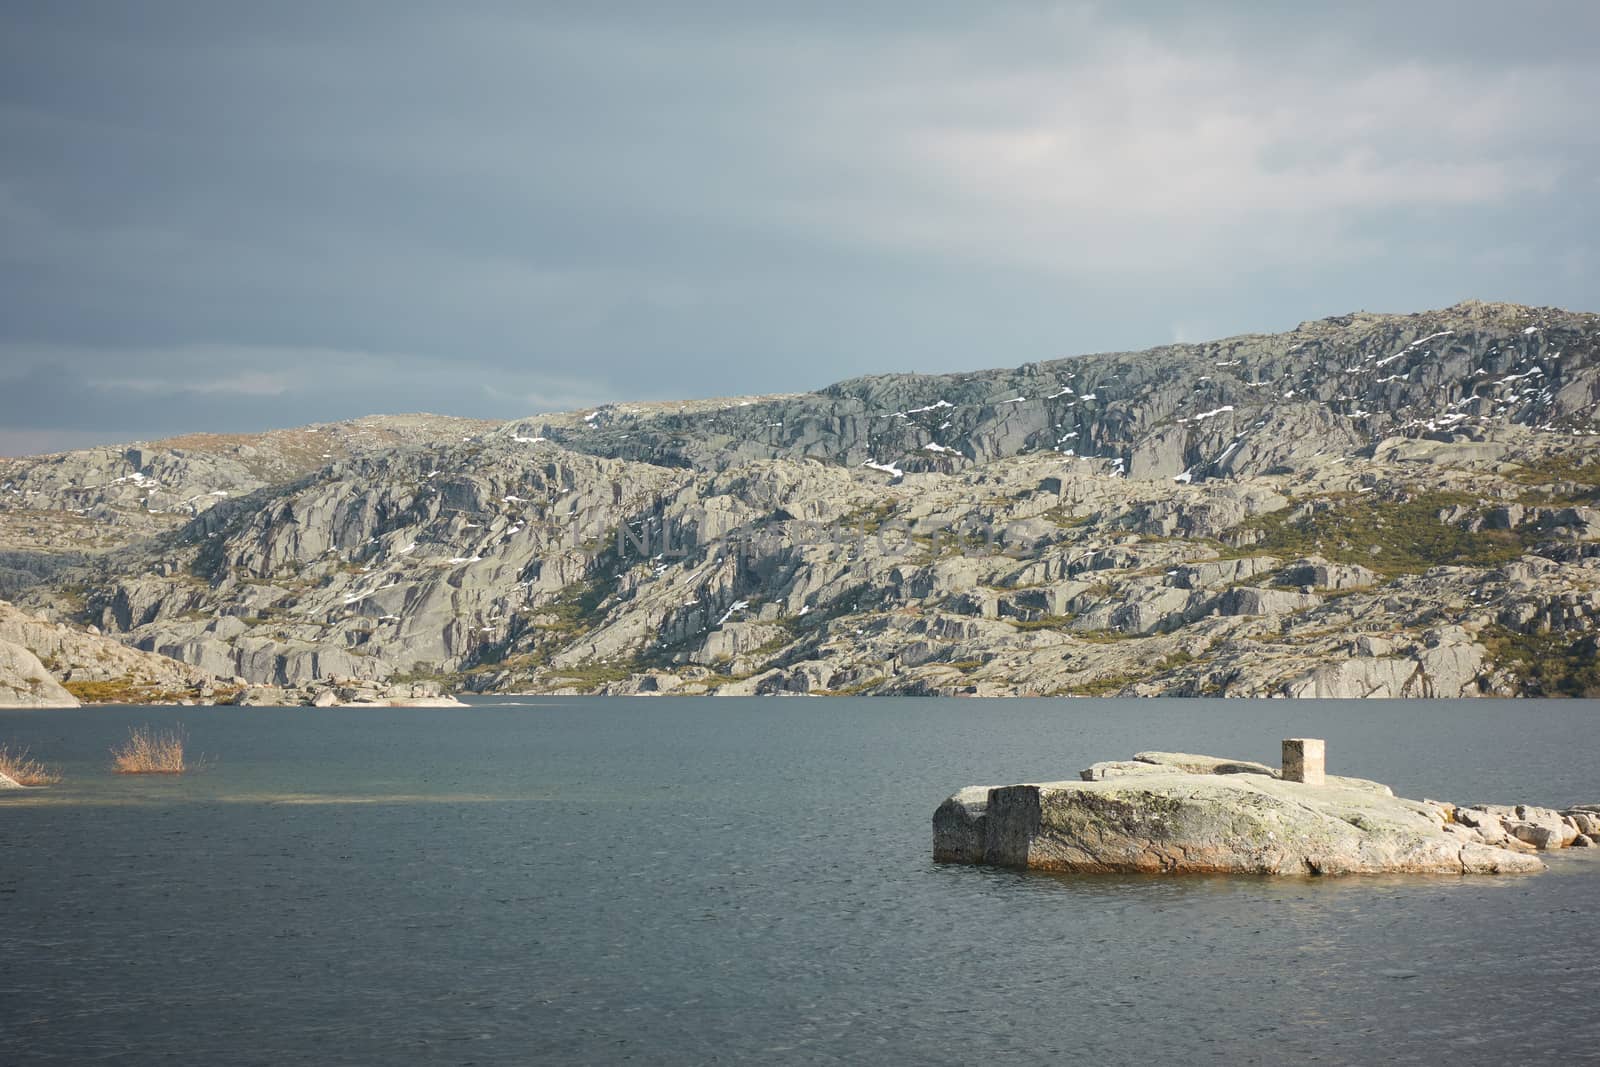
(701, 880)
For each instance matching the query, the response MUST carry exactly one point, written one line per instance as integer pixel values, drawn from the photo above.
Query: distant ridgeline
(1369, 505)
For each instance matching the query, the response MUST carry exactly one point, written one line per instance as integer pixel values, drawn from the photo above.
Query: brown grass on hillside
(150, 751)
(24, 771)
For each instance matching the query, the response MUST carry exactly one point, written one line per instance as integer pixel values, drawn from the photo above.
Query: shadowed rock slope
(1372, 505)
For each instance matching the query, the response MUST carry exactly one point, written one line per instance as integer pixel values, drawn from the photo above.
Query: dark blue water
(723, 881)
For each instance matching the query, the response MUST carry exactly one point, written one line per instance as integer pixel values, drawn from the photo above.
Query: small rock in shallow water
(1586, 822)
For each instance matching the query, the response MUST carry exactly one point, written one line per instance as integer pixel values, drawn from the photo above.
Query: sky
(228, 217)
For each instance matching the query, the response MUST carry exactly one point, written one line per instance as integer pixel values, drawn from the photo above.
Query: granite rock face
(67, 654)
(1197, 815)
(25, 683)
(1367, 506)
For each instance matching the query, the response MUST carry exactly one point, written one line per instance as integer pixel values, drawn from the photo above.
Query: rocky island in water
(1365, 506)
(1180, 813)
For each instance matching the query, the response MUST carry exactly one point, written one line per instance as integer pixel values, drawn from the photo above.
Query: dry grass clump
(18, 767)
(150, 751)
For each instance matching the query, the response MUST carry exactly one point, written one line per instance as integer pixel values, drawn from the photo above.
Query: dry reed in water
(150, 751)
(24, 771)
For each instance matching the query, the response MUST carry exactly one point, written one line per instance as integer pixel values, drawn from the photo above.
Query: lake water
(677, 880)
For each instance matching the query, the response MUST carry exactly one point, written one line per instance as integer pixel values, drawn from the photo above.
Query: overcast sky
(219, 216)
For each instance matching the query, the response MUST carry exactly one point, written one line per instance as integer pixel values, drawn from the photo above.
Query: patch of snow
(1186, 477)
(527, 440)
(887, 468)
(931, 407)
(934, 446)
(738, 605)
(1530, 330)
(465, 559)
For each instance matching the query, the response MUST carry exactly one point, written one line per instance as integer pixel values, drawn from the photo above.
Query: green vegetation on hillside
(122, 691)
(1392, 537)
(1576, 479)
(1549, 664)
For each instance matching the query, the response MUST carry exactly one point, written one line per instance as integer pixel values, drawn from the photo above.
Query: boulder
(1585, 822)
(1321, 574)
(1215, 573)
(1540, 827)
(1249, 600)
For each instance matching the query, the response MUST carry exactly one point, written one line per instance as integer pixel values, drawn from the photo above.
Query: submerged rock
(1174, 813)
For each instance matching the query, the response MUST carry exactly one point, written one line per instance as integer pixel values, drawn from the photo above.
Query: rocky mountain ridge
(1371, 505)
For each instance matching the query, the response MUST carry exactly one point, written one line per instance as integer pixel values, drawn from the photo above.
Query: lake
(699, 880)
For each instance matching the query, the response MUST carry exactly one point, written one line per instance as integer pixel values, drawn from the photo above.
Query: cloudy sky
(219, 216)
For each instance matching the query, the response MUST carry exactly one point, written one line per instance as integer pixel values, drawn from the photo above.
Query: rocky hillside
(1372, 505)
(56, 509)
(84, 665)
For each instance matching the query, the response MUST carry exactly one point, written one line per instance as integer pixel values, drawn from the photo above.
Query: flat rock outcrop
(1174, 813)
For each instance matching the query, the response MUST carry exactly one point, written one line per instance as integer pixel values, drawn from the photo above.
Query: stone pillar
(1303, 759)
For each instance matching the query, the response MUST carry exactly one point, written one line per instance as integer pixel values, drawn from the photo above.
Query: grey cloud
(522, 204)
